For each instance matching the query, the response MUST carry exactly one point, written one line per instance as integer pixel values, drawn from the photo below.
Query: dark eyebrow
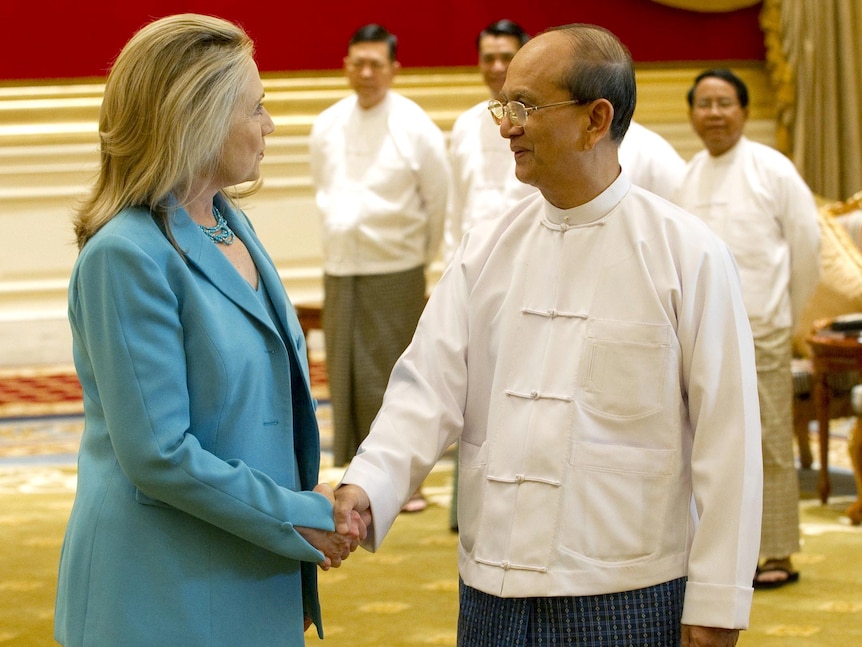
(527, 100)
(523, 96)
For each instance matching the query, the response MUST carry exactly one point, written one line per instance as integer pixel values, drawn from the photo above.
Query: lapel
(211, 262)
(270, 279)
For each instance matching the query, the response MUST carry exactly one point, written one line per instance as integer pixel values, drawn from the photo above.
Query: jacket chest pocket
(624, 366)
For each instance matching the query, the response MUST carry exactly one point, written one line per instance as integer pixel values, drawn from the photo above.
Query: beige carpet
(406, 594)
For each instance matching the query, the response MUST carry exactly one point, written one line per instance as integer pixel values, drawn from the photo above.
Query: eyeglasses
(518, 112)
(724, 103)
(358, 64)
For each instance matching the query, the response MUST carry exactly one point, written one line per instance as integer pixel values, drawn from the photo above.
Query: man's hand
(693, 636)
(335, 546)
(350, 500)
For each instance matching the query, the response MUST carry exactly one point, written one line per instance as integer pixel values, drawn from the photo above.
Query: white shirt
(598, 367)
(382, 182)
(755, 200)
(483, 174)
(651, 161)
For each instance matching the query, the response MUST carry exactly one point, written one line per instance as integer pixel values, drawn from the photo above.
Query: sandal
(775, 566)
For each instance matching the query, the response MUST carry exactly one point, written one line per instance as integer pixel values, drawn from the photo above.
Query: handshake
(352, 515)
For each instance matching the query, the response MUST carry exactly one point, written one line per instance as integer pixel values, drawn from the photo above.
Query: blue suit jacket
(199, 447)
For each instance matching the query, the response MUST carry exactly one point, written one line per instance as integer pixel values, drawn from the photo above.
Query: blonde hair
(166, 112)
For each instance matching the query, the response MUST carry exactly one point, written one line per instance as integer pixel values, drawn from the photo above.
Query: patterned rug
(41, 415)
(44, 391)
(55, 390)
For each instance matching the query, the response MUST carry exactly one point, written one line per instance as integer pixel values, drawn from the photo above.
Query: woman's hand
(336, 547)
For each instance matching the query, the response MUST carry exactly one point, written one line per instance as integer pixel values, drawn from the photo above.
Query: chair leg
(855, 449)
(801, 420)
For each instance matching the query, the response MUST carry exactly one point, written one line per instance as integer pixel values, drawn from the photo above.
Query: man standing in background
(754, 199)
(483, 169)
(381, 177)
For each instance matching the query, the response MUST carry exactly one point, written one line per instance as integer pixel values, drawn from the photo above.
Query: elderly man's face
(547, 148)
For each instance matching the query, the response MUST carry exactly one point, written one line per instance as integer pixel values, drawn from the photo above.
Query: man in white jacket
(591, 351)
(484, 184)
(753, 197)
(381, 179)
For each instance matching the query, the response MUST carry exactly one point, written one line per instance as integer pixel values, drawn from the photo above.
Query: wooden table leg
(854, 446)
(821, 395)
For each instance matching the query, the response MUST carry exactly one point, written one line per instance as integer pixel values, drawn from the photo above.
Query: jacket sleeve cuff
(717, 605)
(308, 510)
(381, 493)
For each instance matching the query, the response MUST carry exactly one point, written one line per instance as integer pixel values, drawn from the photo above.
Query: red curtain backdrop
(58, 39)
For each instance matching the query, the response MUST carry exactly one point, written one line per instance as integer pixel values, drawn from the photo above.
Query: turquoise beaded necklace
(221, 233)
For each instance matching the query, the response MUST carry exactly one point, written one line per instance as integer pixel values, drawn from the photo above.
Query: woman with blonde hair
(197, 520)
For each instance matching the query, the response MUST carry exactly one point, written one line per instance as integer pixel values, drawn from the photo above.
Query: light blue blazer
(199, 448)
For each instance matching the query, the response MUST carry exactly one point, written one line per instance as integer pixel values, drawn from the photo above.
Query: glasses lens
(516, 110)
(517, 113)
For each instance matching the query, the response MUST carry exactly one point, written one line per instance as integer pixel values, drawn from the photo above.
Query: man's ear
(601, 114)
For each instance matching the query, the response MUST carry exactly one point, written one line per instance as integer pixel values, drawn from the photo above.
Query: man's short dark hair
(374, 33)
(504, 27)
(725, 75)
